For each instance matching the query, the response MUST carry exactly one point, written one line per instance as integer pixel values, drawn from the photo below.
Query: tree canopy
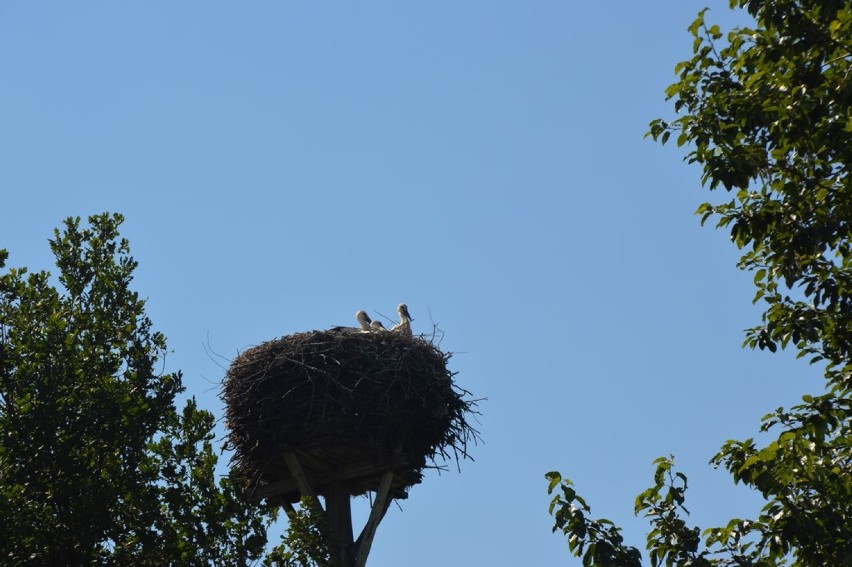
(766, 112)
(97, 464)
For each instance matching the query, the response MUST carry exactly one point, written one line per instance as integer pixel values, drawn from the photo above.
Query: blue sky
(284, 164)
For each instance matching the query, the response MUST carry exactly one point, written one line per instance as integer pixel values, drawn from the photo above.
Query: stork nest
(334, 396)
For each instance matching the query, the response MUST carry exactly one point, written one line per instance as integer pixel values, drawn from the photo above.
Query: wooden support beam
(339, 510)
(348, 474)
(301, 479)
(289, 510)
(380, 506)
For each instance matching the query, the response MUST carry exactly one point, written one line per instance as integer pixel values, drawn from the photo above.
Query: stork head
(402, 309)
(377, 325)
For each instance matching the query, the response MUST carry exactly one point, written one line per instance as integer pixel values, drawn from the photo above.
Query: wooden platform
(330, 467)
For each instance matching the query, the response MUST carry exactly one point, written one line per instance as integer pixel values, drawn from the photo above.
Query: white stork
(364, 322)
(404, 325)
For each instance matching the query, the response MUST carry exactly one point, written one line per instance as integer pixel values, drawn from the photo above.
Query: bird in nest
(366, 325)
(364, 322)
(404, 325)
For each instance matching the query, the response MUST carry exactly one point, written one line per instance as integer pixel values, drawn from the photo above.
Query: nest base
(329, 467)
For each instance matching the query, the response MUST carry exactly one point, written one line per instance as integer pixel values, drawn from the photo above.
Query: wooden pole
(345, 551)
(298, 473)
(380, 506)
(338, 506)
(288, 508)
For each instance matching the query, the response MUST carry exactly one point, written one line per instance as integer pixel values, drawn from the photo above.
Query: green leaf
(554, 479)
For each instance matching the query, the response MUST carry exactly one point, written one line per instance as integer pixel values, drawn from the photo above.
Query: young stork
(377, 326)
(363, 320)
(363, 324)
(404, 325)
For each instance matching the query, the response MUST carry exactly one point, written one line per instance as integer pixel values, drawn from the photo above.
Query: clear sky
(282, 164)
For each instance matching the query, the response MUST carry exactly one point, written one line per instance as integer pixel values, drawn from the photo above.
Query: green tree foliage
(97, 465)
(766, 112)
(306, 542)
(598, 541)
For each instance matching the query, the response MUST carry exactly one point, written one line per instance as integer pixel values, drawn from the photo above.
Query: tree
(97, 465)
(766, 112)
(306, 542)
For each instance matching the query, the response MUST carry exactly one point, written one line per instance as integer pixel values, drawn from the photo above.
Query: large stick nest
(344, 401)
